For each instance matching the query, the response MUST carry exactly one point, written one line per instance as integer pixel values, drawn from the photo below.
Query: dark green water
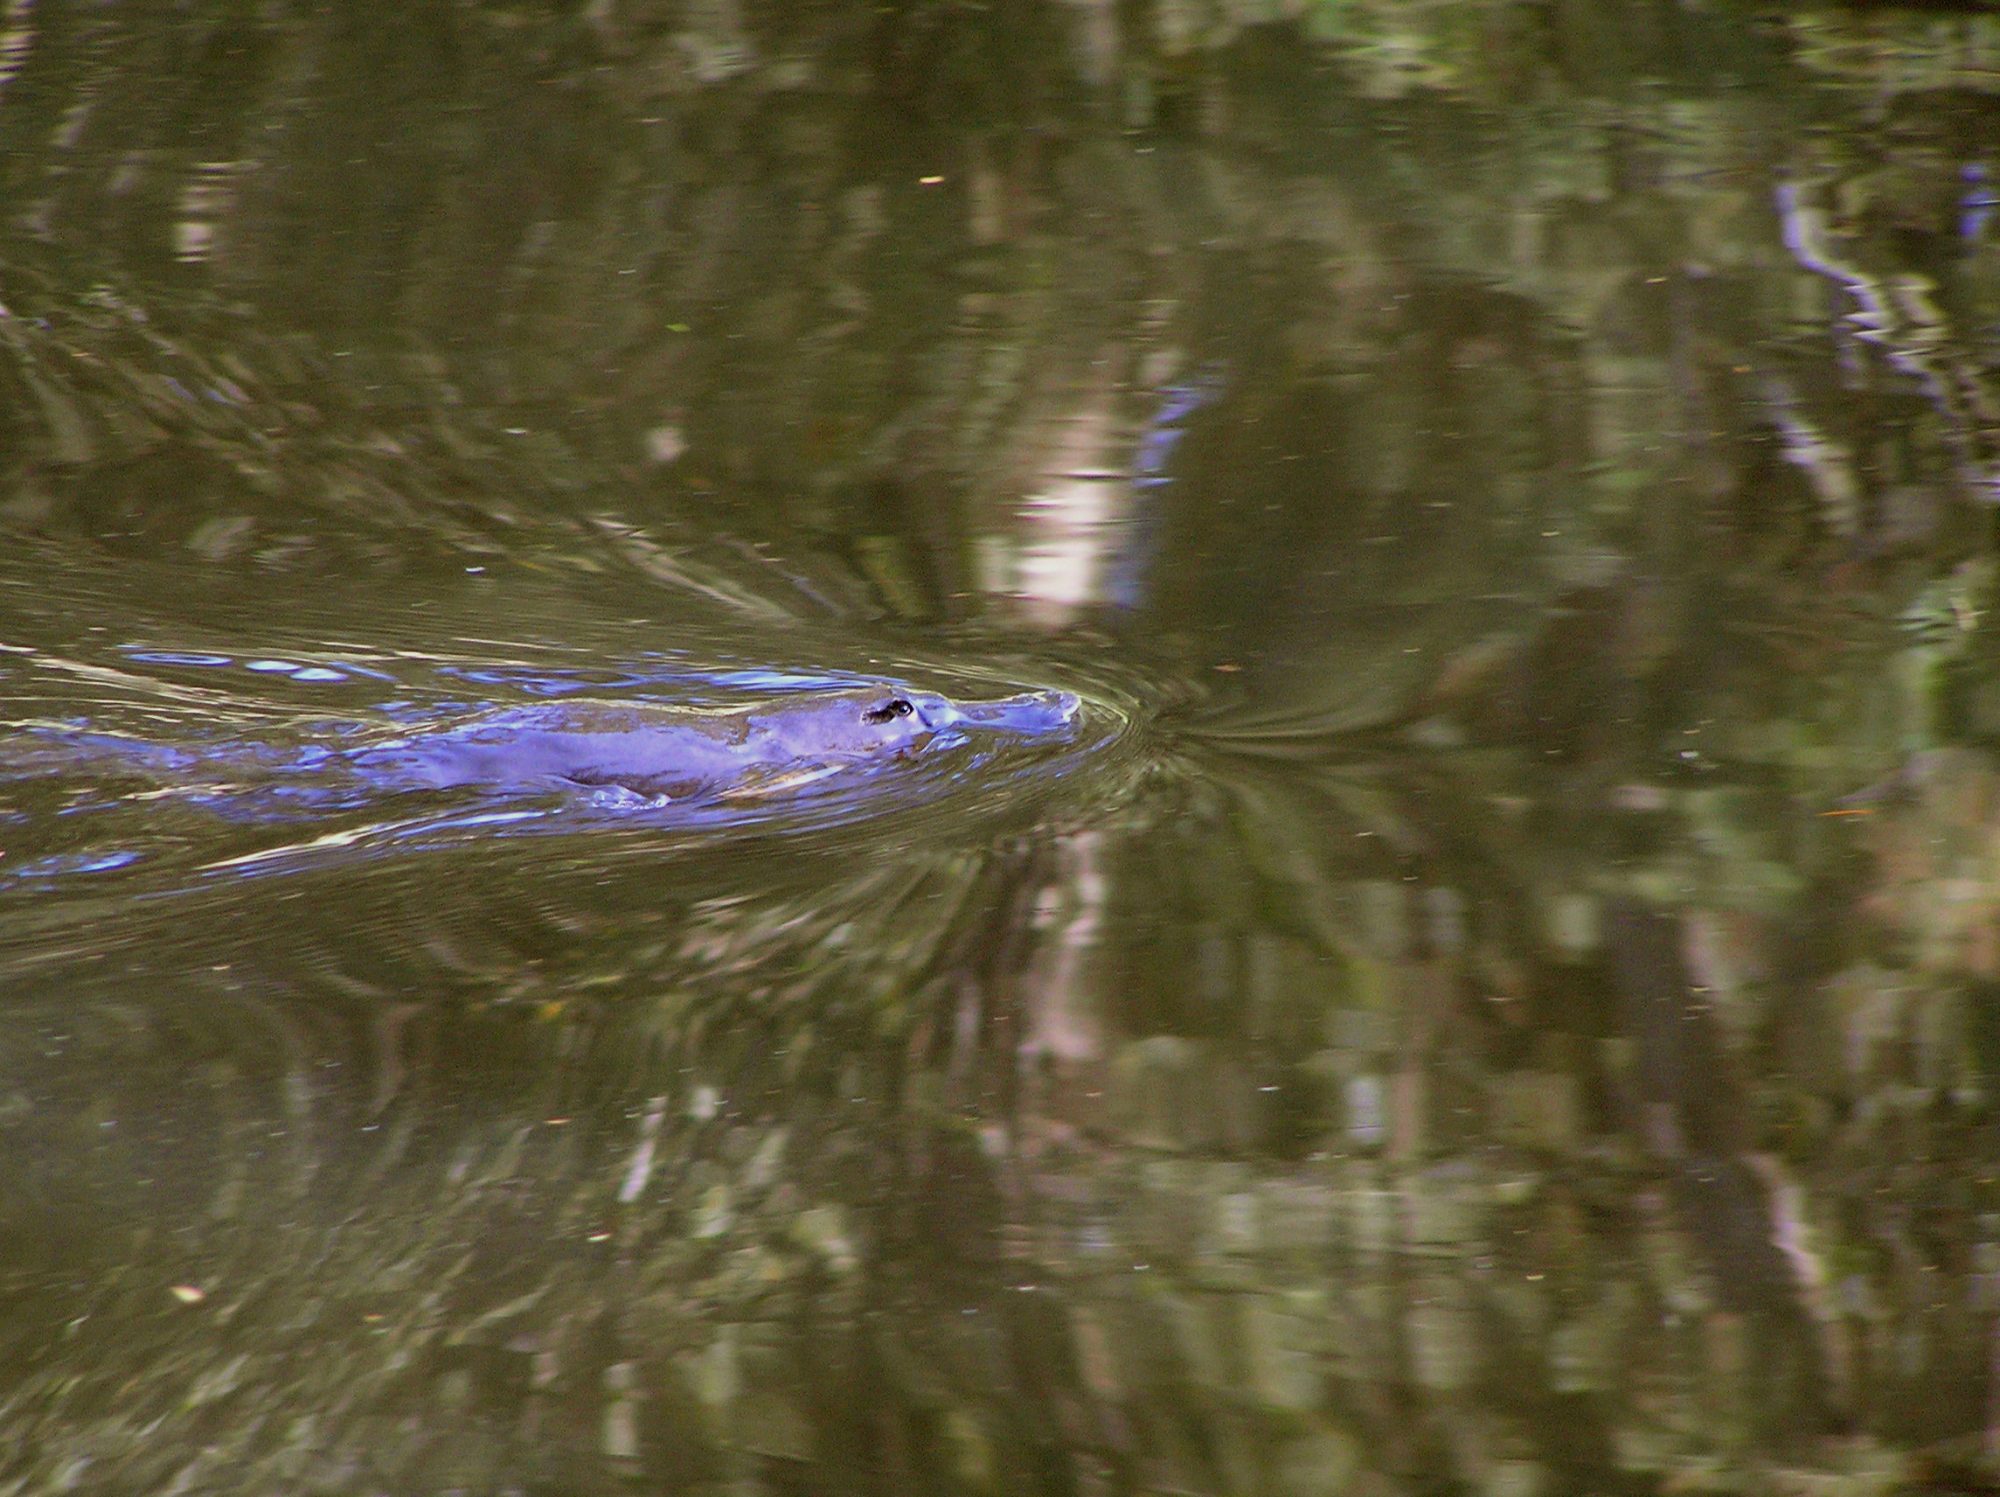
(1501, 996)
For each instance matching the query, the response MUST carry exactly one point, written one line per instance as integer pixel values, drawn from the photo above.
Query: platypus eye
(893, 708)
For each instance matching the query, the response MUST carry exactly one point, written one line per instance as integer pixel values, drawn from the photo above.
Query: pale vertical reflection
(1071, 527)
(17, 39)
(1063, 1023)
(207, 198)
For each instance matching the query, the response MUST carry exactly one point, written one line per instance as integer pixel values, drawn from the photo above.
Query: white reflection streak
(104, 675)
(1068, 528)
(17, 39)
(1060, 1023)
(640, 1171)
(347, 838)
(208, 197)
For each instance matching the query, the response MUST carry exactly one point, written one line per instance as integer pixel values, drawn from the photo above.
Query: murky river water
(1489, 983)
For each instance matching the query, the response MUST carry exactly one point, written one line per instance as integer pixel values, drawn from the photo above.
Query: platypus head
(890, 720)
(847, 724)
(1030, 714)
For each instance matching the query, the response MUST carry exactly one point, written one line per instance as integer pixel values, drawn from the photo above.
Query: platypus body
(674, 753)
(654, 751)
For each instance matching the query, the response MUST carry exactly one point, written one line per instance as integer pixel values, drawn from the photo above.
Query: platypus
(662, 751)
(652, 750)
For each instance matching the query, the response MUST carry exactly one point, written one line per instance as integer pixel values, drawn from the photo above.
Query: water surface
(1497, 993)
